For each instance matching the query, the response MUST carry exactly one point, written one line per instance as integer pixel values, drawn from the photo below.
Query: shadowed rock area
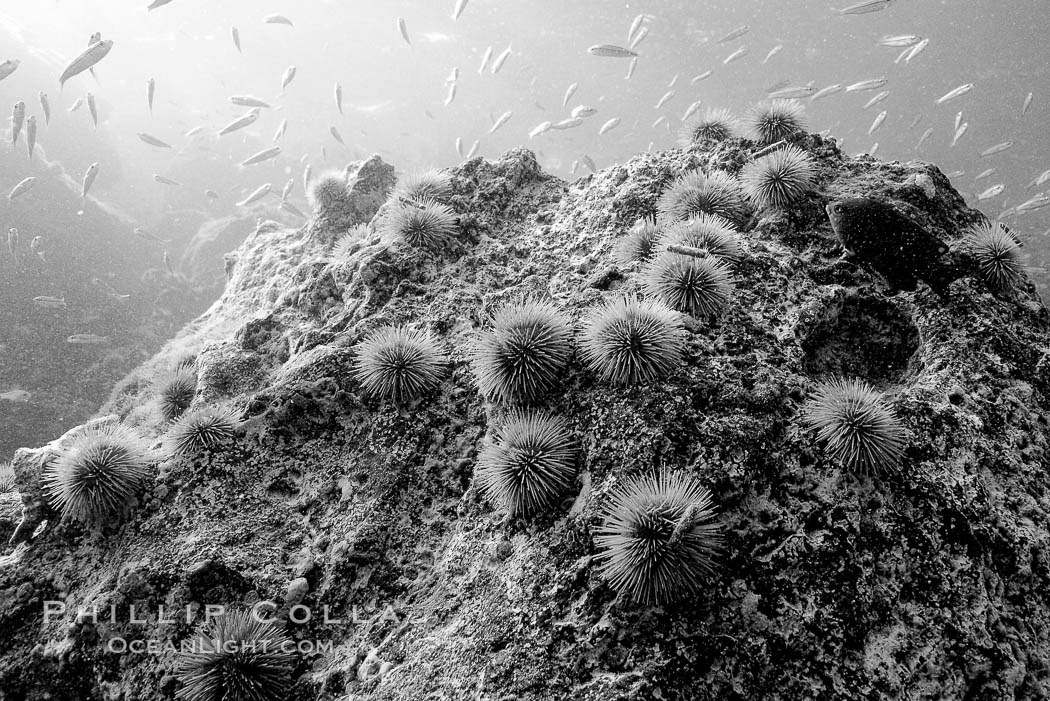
(930, 582)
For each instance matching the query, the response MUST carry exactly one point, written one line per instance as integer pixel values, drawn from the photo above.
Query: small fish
(151, 87)
(915, 122)
(1040, 179)
(630, 68)
(609, 126)
(691, 110)
(570, 123)
(77, 103)
(287, 190)
(92, 109)
(872, 84)
(501, 121)
(642, 33)
(89, 177)
(1038, 202)
(1027, 104)
(194, 131)
(959, 132)
(451, 95)
(879, 97)
(584, 111)
(287, 77)
(458, 9)
(611, 51)
(292, 209)
(674, 81)
(36, 246)
(21, 188)
(877, 123)
(152, 140)
(262, 156)
(155, 4)
(866, 6)
(12, 243)
(87, 339)
(473, 149)
(166, 181)
(168, 265)
(143, 234)
(958, 119)
(735, 34)
(15, 395)
(403, 28)
(569, 93)
(108, 290)
(336, 135)
(663, 100)
(236, 38)
(899, 41)
(998, 148)
(8, 66)
(256, 195)
(702, 76)
(18, 115)
(281, 128)
(739, 53)
(575, 165)
(459, 146)
(792, 93)
(307, 172)
(916, 50)
(993, 191)
(249, 101)
(659, 120)
(241, 122)
(91, 56)
(49, 302)
(277, 19)
(485, 60)
(540, 129)
(339, 97)
(636, 24)
(772, 52)
(45, 105)
(984, 174)
(30, 135)
(211, 194)
(500, 60)
(953, 94)
(589, 162)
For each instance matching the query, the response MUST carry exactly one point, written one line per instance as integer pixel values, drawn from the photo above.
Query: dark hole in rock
(863, 337)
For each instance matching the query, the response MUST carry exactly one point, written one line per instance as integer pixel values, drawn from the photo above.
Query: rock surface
(930, 583)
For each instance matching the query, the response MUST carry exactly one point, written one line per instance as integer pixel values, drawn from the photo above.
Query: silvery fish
(151, 86)
(959, 132)
(635, 26)
(569, 93)
(739, 53)
(584, 111)
(92, 109)
(236, 38)
(336, 135)
(735, 34)
(539, 129)
(1037, 202)
(458, 9)
(879, 97)
(690, 111)
(984, 174)
(157, 3)
(609, 126)
(87, 339)
(141, 233)
(30, 135)
(630, 68)
(76, 105)
(287, 77)
(45, 105)
(659, 120)
(957, 92)
(279, 134)
(702, 76)
(642, 33)
(567, 123)
(773, 52)
(473, 149)
(403, 28)
(916, 50)
(998, 148)
(262, 156)
(241, 122)
(166, 181)
(459, 146)
(256, 195)
(500, 60)
(152, 140)
(993, 191)
(18, 115)
(8, 66)
(485, 60)
(94, 53)
(866, 6)
(663, 100)
(791, 93)
(339, 97)
(21, 188)
(900, 41)
(1027, 104)
(872, 84)
(49, 302)
(248, 101)
(292, 209)
(611, 51)
(89, 178)
(287, 189)
(501, 121)
(451, 95)
(307, 172)
(877, 123)
(277, 19)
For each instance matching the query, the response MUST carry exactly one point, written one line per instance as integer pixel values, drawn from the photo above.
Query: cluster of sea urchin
(529, 465)
(99, 475)
(399, 363)
(238, 657)
(525, 354)
(659, 539)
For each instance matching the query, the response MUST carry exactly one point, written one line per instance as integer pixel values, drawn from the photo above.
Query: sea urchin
(239, 657)
(997, 255)
(201, 429)
(99, 475)
(328, 193)
(399, 363)
(525, 354)
(715, 124)
(529, 465)
(432, 185)
(694, 192)
(700, 287)
(708, 232)
(639, 244)
(630, 340)
(776, 120)
(856, 426)
(780, 178)
(659, 538)
(175, 392)
(425, 225)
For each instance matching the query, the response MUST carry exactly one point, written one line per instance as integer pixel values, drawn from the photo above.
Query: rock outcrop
(930, 582)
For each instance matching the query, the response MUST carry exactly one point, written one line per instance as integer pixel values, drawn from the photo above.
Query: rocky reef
(928, 581)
